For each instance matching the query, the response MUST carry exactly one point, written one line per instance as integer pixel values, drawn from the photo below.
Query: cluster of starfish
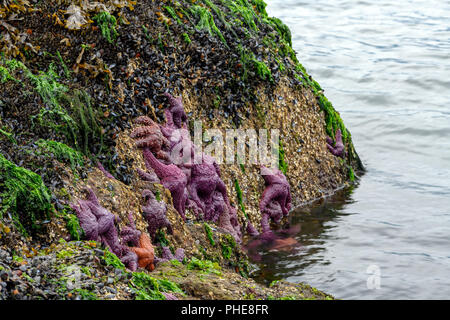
(197, 186)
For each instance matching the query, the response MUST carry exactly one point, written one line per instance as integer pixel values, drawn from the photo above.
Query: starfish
(338, 150)
(167, 255)
(175, 114)
(102, 169)
(172, 178)
(169, 296)
(201, 187)
(251, 230)
(145, 252)
(151, 177)
(88, 221)
(155, 214)
(99, 225)
(275, 201)
(149, 136)
(227, 217)
(129, 234)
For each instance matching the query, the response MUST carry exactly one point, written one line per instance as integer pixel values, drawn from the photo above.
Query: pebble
(112, 290)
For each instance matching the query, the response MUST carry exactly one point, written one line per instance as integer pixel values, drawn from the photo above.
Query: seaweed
(205, 266)
(240, 197)
(209, 234)
(112, 260)
(24, 196)
(173, 14)
(107, 24)
(245, 10)
(282, 165)
(206, 21)
(186, 38)
(249, 61)
(62, 152)
(148, 288)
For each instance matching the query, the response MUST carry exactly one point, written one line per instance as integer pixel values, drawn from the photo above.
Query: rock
(112, 290)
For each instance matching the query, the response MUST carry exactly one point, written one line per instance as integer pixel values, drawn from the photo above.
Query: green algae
(228, 244)
(282, 165)
(173, 14)
(239, 196)
(209, 234)
(351, 174)
(73, 226)
(148, 288)
(5, 75)
(63, 64)
(62, 152)
(250, 62)
(8, 135)
(206, 22)
(24, 195)
(108, 25)
(205, 266)
(161, 238)
(85, 294)
(186, 38)
(245, 10)
(112, 260)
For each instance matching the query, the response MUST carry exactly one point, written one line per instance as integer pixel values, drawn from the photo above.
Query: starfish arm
(268, 195)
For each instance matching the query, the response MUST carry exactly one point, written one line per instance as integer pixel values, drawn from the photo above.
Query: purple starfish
(99, 225)
(338, 149)
(275, 201)
(167, 255)
(129, 234)
(203, 183)
(155, 214)
(175, 114)
(227, 216)
(105, 172)
(88, 221)
(172, 178)
(150, 136)
(251, 230)
(169, 296)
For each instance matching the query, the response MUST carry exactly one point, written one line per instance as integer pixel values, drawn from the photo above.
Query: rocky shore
(92, 95)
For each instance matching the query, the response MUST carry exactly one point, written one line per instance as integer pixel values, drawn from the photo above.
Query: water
(385, 66)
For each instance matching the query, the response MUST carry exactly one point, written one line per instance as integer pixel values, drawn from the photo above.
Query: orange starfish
(145, 252)
(284, 244)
